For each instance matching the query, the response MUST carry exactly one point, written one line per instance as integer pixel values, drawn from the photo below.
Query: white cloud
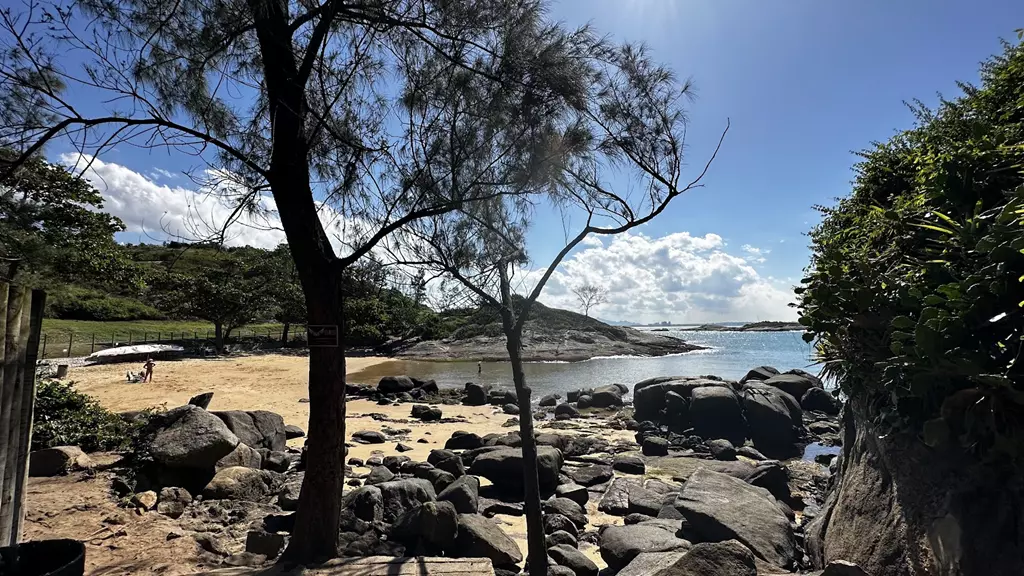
(676, 277)
(756, 254)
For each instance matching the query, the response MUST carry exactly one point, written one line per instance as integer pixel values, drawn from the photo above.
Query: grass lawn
(86, 336)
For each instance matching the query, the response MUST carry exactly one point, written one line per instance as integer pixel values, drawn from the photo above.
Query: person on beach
(148, 366)
(479, 368)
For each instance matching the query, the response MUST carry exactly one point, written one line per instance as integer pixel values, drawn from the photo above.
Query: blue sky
(804, 83)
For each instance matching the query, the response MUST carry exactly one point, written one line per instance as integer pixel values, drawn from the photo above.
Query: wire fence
(76, 344)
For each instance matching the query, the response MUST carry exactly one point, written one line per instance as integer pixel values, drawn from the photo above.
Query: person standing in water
(148, 367)
(479, 368)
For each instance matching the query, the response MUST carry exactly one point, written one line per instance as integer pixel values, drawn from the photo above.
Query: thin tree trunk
(537, 551)
(218, 337)
(284, 333)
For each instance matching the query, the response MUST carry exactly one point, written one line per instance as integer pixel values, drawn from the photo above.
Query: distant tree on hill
(590, 295)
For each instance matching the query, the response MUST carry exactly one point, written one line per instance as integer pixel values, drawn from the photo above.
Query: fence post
(71, 342)
(16, 307)
(92, 346)
(32, 323)
(158, 336)
(145, 336)
(129, 337)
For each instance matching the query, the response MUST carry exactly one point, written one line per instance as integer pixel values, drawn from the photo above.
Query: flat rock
(292, 431)
(504, 468)
(647, 563)
(629, 464)
(718, 507)
(621, 544)
(481, 537)
(569, 557)
(567, 508)
(616, 498)
(655, 446)
(590, 475)
(729, 558)
(369, 437)
(574, 492)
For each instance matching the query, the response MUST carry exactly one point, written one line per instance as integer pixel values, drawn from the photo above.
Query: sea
(728, 355)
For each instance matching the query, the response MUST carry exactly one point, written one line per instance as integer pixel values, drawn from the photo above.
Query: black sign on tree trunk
(322, 335)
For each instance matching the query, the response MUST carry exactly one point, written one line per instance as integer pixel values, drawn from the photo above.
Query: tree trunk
(284, 334)
(218, 337)
(537, 555)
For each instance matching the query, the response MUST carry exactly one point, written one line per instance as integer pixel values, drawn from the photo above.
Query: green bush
(77, 303)
(66, 417)
(915, 294)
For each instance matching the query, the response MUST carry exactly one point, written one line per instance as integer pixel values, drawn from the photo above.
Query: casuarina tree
(315, 105)
(628, 130)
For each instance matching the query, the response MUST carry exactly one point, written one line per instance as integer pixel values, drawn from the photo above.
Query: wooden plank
(14, 447)
(12, 356)
(374, 566)
(27, 409)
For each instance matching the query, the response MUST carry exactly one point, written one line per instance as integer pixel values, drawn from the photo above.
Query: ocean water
(729, 355)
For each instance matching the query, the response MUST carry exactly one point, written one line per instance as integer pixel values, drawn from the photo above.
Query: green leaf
(808, 337)
(934, 300)
(903, 322)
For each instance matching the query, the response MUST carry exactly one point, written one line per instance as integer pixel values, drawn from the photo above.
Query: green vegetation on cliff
(915, 292)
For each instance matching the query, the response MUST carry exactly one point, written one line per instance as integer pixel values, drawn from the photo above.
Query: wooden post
(16, 474)
(92, 346)
(43, 354)
(12, 339)
(129, 337)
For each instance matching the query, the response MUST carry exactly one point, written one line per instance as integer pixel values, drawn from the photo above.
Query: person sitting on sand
(148, 366)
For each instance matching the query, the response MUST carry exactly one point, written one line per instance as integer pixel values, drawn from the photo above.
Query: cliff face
(900, 508)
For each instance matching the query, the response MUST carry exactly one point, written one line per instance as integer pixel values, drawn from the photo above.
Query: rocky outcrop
(719, 507)
(504, 468)
(900, 508)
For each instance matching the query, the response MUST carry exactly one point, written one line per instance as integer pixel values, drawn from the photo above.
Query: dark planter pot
(43, 558)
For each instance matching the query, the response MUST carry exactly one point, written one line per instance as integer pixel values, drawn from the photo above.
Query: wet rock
(480, 537)
(655, 446)
(819, 400)
(567, 410)
(511, 409)
(721, 449)
(771, 424)
(759, 373)
(239, 483)
(570, 557)
(504, 467)
(57, 461)
(560, 537)
(606, 397)
(426, 413)
(621, 544)
(401, 495)
(715, 413)
(584, 402)
(629, 464)
(718, 507)
(728, 558)
(395, 384)
(590, 475)
(369, 437)
(464, 494)
(463, 441)
(190, 437)
(292, 431)
(550, 400)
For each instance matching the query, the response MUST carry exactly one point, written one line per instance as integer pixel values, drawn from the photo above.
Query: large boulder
(190, 437)
(366, 503)
(770, 421)
(240, 483)
(402, 495)
(621, 544)
(464, 494)
(426, 413)
(729, 558)
(256, 428)
(436, 523)
(461, 440)
(590, 475)
(759, 373)
(643, 501)
(574, 492)
(481, 537)
(719, 507)
(570, 557)
(629, 464)
(715, 413)
(568, 508)
(606, 397)
(550, 400)
(476, 394)
(57, 461)
(395, 384)
(820, 400)
(504, 467)
(793, 384)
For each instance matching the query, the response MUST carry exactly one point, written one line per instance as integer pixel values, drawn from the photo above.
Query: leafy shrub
(915, 290)
(77, 303)
(67, 417)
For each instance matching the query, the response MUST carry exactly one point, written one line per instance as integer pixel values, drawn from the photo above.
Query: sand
(278, 382)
